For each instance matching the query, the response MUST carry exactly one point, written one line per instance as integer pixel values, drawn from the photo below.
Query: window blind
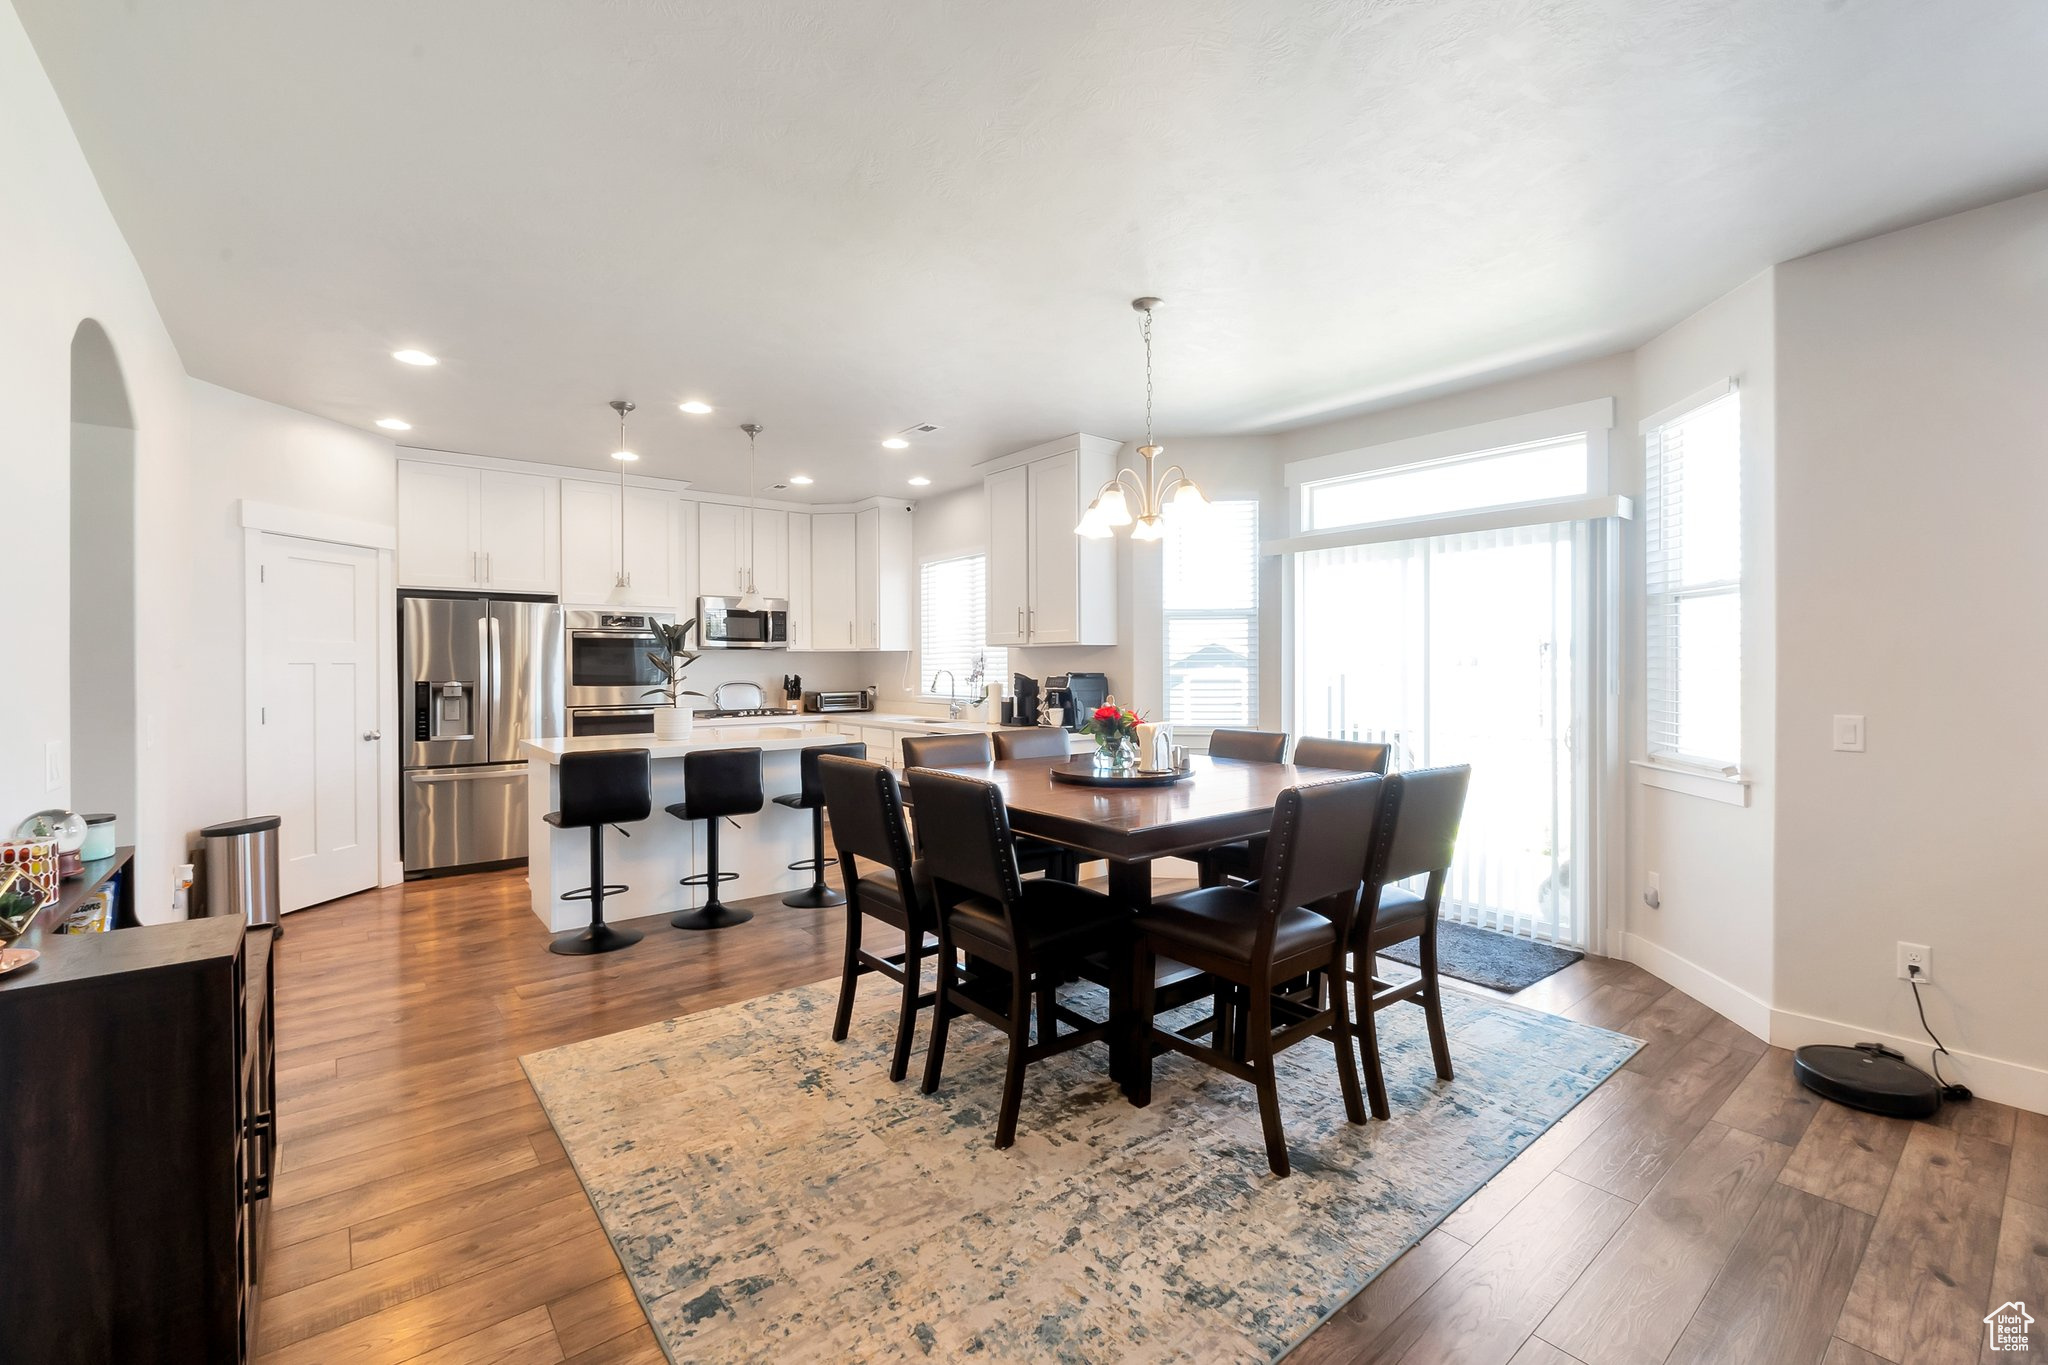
(952, 614)
(1210, 595)
(1693, 584)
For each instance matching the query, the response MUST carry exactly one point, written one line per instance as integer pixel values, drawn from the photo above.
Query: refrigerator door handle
(497, 665)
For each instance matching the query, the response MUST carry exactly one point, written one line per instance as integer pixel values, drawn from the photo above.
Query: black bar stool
(717, 784)
(600, 789)
(812, 799)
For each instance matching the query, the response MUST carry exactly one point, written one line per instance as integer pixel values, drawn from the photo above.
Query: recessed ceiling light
(695, 408)
(624, 456)
(415, 357)
(394, 424)
(895, 443)
(920, 482)
(799, 479)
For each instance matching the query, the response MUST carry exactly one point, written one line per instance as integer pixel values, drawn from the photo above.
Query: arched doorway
(103, 690)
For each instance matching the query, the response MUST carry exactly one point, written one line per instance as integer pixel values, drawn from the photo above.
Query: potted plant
(672, 721)
(1115, 731)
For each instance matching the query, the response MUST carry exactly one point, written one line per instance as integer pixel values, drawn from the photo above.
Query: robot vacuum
(1867, 1076)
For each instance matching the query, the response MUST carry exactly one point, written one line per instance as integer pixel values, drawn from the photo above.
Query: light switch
(1848, 734)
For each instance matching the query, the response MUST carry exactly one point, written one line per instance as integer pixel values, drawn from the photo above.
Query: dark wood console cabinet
(137, 1140)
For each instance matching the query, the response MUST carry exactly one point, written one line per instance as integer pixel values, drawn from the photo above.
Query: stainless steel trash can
(241, 869)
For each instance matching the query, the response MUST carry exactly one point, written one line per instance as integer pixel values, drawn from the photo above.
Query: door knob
(372, 736)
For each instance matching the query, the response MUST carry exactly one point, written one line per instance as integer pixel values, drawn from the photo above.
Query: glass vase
(1117, 753)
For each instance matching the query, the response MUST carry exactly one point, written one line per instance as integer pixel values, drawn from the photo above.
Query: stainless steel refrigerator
(478, 676)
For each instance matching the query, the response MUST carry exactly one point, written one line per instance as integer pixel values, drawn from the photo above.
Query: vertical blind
(952, 615)
(1692, 495)
(1462, 649)
(1209, 591)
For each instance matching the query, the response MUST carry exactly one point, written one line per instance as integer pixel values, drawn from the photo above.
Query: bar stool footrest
(582, 893)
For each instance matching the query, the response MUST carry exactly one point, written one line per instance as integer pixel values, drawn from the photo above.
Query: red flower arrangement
(1110, 722)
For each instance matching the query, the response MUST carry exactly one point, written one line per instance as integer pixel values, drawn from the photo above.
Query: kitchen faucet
(954, 706)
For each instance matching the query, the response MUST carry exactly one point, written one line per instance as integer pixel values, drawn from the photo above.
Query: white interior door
(315, 634)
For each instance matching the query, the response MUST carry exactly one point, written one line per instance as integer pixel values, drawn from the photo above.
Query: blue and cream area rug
(773, 1196)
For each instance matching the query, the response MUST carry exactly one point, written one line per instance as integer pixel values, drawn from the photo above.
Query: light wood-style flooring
(1698, 1207)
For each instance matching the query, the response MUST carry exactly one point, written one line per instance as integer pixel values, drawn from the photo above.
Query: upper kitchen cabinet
(477, 528)
(591, 526)
(726, 552)
(881, 576)
(832, 587)
(799, 580)
(1046, 585)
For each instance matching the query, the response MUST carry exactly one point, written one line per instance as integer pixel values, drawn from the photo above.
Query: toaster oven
(862, 700)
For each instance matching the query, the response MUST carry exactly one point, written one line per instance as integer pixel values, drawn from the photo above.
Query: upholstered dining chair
(1249, 746)
(1243, 858)
(1418, 835)
(1297, 922)
(965, 751)
(866, 806)
(1037, 933)
(1033, 741)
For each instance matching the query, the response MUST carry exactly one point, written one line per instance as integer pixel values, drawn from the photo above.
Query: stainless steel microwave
(736, 623)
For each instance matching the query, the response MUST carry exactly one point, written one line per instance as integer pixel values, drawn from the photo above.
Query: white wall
(1713, 933)
(62, 260)
(102, 622)
(1913, 589)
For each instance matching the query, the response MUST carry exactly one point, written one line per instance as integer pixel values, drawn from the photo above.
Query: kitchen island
(663, 850)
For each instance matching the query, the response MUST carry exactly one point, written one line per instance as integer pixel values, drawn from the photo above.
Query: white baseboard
(1717, 993)
(1991, 1078)
(392, 874)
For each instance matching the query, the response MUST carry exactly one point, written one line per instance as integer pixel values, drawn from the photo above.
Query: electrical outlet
(1652, 891)
(53, 765)
(1913, 955)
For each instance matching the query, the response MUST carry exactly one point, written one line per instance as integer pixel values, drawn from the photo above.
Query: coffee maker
(1076, 695)
(1025, 690)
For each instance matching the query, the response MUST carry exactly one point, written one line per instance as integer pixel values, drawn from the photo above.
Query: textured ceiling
(839, 219)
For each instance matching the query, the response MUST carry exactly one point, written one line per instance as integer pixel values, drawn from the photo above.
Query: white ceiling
(839, 219)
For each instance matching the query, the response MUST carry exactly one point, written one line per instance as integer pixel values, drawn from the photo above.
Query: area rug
(773, 1196)
(1485, 958)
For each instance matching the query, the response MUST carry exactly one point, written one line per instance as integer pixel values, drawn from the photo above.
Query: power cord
(1952, 1093)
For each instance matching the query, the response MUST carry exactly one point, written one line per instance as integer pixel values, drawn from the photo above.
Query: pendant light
(748, 595)
(1112, 507)
(623, 586)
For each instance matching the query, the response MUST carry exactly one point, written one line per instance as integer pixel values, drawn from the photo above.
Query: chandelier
(1113, 504)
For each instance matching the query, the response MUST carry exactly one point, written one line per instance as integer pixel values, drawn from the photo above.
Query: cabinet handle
(489, 577)
(475, 571)
(1020, 623)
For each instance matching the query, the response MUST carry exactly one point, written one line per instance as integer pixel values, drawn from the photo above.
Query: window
(1529, 472)
(1692, 496)
(952, 615)
(1210, 592)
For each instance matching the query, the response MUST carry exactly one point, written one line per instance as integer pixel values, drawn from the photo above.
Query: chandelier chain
(1148, 376)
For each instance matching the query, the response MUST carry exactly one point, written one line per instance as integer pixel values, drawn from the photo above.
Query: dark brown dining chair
(810, 796)
(1294, 924)
(1037, 933)
(1248, 746)
(1418, 835)
(1243, 858)
(1040, 741)
(866, 807)
(966, 751)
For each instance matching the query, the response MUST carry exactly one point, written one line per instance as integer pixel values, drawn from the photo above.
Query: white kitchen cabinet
(440, 541)
(771, 553)
(463, 527)
(726, 552)
(882, 576)
(721, 549)
(590, 546)
(1064, 585)
(832, 581)
(799, 530)
(521, 533)
(1009, 555)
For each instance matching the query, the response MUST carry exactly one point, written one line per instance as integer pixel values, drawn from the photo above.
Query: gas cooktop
(747, 712)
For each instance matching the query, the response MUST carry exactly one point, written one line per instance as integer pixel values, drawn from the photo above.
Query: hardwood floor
(1698, 1208)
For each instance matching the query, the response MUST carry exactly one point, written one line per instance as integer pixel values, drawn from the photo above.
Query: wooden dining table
(1132, 827)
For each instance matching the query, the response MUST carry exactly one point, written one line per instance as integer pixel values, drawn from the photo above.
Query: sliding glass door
(1468, 648)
